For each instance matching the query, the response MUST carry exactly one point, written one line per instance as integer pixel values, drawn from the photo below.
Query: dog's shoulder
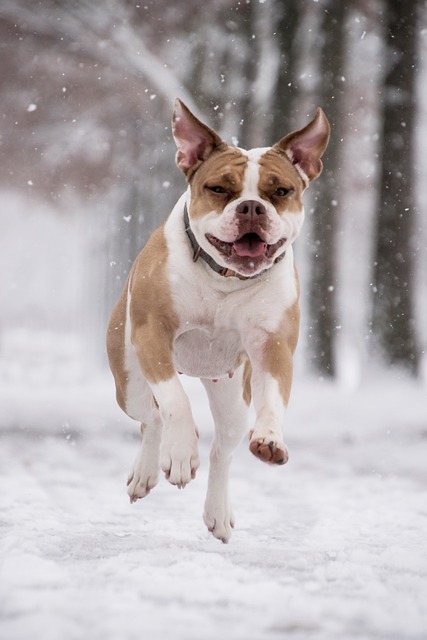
(149, 288)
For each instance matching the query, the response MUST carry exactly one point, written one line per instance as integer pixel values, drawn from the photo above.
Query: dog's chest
(205, 353)
(208, 343)
(216, 315)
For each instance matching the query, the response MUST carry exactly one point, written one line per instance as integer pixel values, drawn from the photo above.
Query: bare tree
(330, 90)
(286, 91)
(393, 299)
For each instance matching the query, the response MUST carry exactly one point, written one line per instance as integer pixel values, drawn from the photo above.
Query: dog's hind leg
(145, 472)
(229, 411)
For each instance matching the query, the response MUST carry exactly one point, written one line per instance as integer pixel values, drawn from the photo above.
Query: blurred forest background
(87, 162)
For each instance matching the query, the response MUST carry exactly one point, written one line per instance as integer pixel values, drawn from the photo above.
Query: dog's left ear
(305, 147)
(195, 141)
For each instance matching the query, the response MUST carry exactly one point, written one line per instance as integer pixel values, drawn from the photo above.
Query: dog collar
(198, 252)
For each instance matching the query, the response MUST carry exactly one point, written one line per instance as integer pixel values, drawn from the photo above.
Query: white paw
(143, 477)
(219, 520)
(179, 459)
(140, 486)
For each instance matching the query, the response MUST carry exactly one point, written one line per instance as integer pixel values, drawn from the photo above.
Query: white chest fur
(181, 315)
(216, 313)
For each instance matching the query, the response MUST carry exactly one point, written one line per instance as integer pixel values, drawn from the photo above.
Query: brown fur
(154, 322)
(274, 182)
(277, 171)
(116, 348)
(247, 374)
(223, 168)
(226, 168)
(279, 348)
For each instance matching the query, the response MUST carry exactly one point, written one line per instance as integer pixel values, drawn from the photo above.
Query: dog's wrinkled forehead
(223, 167)
(253, 174)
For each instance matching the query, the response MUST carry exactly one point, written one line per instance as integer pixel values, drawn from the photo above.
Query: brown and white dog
(214, 294)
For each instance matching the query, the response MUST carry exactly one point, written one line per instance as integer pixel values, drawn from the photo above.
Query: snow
(332, 545)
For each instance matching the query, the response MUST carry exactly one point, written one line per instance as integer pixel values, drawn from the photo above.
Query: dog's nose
(251, 208)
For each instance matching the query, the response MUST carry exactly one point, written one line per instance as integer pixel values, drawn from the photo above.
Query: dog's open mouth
(250, 245)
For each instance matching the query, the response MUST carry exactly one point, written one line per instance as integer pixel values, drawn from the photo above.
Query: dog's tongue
(250, 245)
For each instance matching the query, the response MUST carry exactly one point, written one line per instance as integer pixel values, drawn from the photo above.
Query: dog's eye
(217, 189)
(281, 192)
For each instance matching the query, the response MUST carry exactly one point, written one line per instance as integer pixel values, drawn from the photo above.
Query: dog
(214, 294)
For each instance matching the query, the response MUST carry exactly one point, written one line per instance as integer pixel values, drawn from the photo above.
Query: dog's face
(246, 206)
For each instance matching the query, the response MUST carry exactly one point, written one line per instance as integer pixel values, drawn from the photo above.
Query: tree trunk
(283, 118)
(322, 290)
(393, 292)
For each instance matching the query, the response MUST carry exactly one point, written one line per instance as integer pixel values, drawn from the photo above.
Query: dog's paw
(180, 470)
(269, 450)
(220, 522)
(140, 484)
(179, 460)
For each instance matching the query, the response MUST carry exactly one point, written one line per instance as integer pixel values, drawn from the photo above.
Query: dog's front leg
(271, 359)
(179, 456)
(229, 409)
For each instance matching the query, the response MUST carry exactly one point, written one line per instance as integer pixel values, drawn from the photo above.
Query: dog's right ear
(195, 141)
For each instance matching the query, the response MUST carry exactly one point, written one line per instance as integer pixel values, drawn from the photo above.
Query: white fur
(222, 328)
(268, 406)
(224, 226)
(226, 310)
(230, 415)
(304, 176)
(179, 458)
(220, 319)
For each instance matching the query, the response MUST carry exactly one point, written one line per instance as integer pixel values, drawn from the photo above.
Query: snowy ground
(333, 545)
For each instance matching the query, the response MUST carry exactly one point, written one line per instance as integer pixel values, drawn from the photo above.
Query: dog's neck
(198, 252)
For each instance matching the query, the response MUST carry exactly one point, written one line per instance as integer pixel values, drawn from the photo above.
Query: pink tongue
(250, 245)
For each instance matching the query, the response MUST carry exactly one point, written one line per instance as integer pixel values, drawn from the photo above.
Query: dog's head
(245, 207)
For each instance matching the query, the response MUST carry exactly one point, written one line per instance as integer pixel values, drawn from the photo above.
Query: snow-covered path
(333, 545)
